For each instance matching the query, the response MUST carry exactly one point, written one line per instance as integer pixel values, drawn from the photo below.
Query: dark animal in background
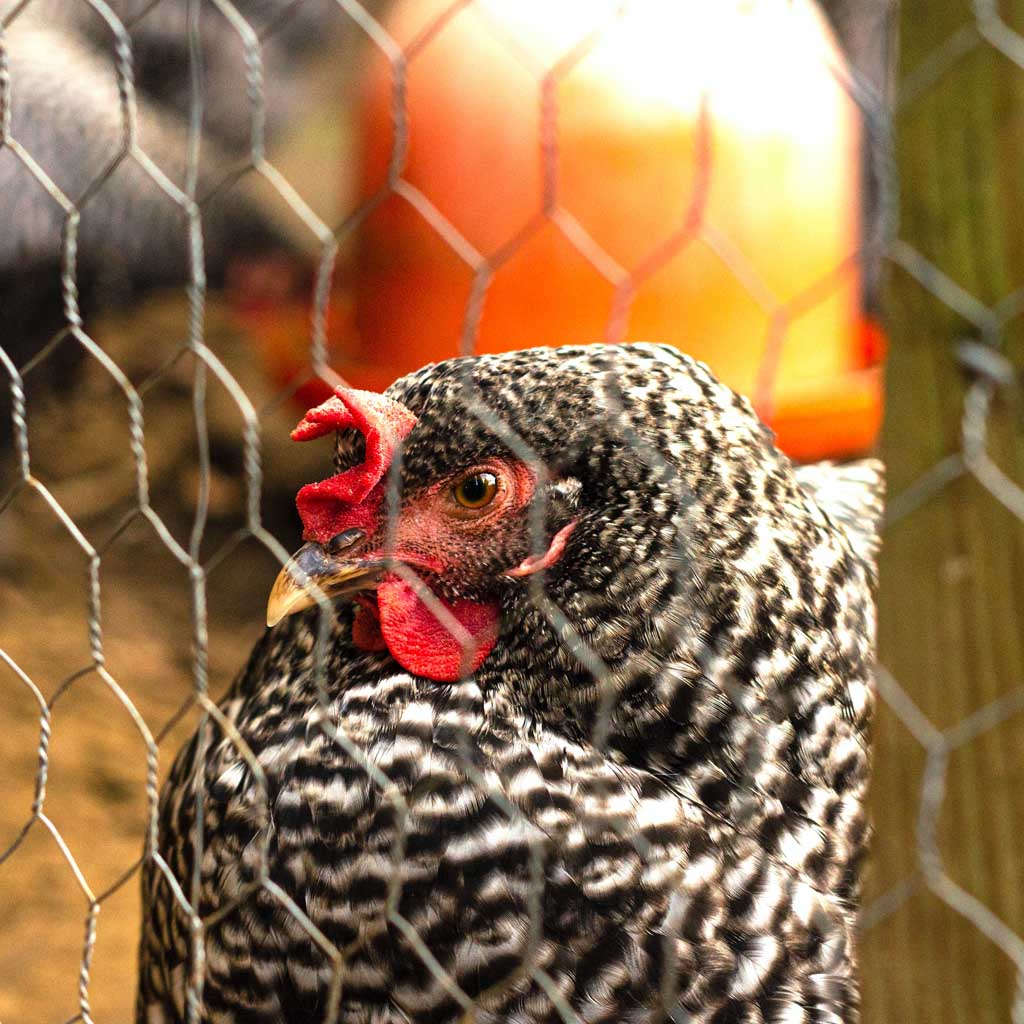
(648, 785)
(62, 96)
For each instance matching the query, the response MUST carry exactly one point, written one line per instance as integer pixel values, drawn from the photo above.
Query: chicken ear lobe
(431, 637)
(535, 563)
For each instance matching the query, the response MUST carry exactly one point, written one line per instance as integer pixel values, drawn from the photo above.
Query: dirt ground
(79, 448)
(96, 761)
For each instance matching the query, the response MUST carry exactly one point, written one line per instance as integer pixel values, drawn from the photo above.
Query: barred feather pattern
(646, 805)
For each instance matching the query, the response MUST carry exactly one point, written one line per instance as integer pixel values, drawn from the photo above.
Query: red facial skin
(434, 540)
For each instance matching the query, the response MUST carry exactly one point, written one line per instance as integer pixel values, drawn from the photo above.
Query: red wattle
(425, 646)
(366, 634)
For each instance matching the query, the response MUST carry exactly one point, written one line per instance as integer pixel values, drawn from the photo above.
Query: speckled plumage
(647, 803)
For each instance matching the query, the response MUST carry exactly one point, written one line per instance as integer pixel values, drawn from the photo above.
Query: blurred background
(211, 211)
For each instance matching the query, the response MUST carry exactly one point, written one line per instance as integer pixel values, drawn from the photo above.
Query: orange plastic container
(682, 172)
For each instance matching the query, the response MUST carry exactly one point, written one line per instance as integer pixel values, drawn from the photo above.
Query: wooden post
(952, 594)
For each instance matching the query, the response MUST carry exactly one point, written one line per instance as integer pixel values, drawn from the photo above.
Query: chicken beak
(315, 572)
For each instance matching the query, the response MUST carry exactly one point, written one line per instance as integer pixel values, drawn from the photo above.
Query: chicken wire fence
(982, 975)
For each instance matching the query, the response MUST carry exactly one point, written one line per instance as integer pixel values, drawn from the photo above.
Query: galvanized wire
(991, 373)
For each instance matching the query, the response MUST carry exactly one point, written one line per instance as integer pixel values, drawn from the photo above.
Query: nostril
(342, 542)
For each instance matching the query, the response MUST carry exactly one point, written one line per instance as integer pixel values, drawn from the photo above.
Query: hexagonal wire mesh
(897, 985)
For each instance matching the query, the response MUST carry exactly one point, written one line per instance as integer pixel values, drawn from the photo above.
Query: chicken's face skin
(649, 782)
(428, 578)
(434, 555)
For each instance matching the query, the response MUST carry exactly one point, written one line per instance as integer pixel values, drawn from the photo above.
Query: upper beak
(316, 572)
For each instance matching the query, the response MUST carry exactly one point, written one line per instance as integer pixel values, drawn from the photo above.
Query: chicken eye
(476, 490)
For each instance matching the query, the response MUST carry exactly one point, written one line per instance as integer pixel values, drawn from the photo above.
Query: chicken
(561, 715)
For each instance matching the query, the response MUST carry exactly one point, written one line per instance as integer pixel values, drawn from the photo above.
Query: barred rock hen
(586, 742)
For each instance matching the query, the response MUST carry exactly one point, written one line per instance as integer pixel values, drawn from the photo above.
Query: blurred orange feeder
(684, 172)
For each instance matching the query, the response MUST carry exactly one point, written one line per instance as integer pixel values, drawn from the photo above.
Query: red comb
(382, 421)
